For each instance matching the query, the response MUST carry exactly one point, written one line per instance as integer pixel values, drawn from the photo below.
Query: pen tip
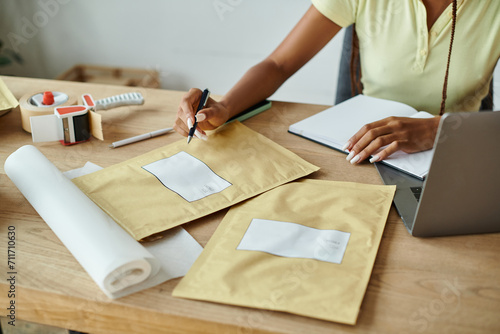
(189, 139)
(111, 146)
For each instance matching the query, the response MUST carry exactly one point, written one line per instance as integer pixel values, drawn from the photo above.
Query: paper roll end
(129, 274)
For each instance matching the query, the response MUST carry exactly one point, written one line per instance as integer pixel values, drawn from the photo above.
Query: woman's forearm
(306, 39)
(257, 84)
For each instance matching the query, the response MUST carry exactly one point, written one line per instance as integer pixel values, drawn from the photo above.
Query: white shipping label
(187, 176)
(295, 240)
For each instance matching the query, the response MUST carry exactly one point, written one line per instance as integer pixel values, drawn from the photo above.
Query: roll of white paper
(114, 260)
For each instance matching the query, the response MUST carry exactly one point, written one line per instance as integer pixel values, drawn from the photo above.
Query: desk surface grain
(432, 285)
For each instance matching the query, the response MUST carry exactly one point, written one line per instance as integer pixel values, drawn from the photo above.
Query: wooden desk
(436, 285)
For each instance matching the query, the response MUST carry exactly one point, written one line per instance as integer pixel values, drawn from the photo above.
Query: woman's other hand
(382, 138)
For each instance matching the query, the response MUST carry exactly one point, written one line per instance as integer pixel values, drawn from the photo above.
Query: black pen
(201, 105)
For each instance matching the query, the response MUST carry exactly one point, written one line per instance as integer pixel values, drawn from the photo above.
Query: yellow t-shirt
(402, 60)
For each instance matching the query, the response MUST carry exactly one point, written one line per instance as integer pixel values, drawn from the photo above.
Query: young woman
(435, 55)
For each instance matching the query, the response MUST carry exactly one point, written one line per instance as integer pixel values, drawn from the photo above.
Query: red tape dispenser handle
(88, 101)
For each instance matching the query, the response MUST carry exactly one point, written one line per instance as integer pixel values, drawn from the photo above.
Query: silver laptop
(461, 193)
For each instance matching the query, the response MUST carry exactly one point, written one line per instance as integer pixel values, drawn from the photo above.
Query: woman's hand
(209, 118)
(392, 134)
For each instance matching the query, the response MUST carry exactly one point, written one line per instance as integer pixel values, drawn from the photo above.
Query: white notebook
(334, 126)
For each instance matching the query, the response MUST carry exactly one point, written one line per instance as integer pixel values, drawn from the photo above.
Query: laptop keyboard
(416, 192)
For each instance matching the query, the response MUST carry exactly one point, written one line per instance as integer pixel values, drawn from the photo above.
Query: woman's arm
(306, 39)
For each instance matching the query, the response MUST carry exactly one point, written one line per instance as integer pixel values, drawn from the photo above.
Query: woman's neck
(434, 9)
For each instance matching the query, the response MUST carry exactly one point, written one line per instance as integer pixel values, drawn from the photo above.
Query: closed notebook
(178, 183)
(306, 248)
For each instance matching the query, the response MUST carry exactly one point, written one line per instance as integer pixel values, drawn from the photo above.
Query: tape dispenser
(75, 124)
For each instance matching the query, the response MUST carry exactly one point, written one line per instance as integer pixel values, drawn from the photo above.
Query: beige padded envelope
(306, 248)
(178, 183)
(7, 100)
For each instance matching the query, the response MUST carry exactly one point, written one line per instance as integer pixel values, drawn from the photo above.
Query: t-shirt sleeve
(342, 12)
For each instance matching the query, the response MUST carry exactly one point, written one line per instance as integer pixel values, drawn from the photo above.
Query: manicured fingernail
(189, 123)
(200, 135)
(201, 117)
(375, 158)
(355, 159)
(346, 146)
(350, 155)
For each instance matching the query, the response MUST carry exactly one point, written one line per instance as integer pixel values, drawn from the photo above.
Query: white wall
(193, 43)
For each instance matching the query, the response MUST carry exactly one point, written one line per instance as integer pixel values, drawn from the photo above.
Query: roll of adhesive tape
(30, 105)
